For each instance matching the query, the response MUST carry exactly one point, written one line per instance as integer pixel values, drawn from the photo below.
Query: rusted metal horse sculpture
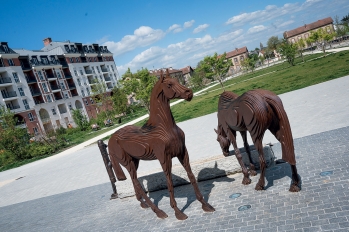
(255, 111)
(160, 138)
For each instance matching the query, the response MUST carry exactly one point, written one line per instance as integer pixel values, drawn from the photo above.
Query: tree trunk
(220, 81)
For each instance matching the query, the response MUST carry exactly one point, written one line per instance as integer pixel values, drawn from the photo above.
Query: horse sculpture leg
(295, 180)
(247, 148)
(167, 167)
(261, 182)
(144, 205)
(184, 160)
(232, 136)
(131, 165)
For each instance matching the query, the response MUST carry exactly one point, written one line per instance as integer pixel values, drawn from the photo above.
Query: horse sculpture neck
(160, 112)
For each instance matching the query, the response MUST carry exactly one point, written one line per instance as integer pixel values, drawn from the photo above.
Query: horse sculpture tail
(120, 175)
(282, 130)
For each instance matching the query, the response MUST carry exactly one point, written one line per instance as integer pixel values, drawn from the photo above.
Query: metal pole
(103, 148)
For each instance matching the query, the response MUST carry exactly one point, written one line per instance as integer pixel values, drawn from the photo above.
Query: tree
(301, 45)
(119, 99)
(273, 43)
(80, 119)
(341, 28)
(101, 97)
(250, 62)
(261, 58)
(141, 84)
(203, 67)
(196, 81)
(288, 50)
(219, 66)
(320, 37)
(13, 139)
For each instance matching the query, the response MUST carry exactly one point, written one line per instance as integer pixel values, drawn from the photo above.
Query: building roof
(308, 27)
(157, 72)
(236, 52)
(186, 70)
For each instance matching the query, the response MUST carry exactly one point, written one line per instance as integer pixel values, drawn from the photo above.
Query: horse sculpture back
(160, 138)
(255, 111)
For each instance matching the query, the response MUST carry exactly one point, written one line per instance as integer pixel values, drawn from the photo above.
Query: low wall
(214, 167)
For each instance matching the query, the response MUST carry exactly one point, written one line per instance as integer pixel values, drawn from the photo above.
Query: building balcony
(104, 70)
(74, 94)
(55, 87)
(5, 80)
(50, 76)
(31, 80)
(72, 86)
(35, 92)
(12, 107)
(107, 78)
(37, 102)
(88, 72)
(64, 65)
(58, 98)
(9, 94)
(35, 63)
(26, 67)
(68, 76)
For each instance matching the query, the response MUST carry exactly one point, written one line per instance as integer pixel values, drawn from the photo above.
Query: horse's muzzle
(189, 94)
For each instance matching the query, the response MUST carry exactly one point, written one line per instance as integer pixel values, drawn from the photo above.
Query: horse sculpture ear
(215, 130)
(162, 76)
(167, 73)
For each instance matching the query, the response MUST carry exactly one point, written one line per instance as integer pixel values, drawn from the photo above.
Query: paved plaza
(70, 191)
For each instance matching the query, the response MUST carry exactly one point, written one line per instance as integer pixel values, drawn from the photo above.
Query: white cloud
(270, 12)
(256, 29)
(143, 36)
(200, 28)
(175, 28)
(286, 23)
(103, 39)
(188, 24)
(188, 52)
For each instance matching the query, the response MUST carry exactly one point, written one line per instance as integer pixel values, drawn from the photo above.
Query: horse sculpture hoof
(253, 173)
(208, 208)
(144, 205)
(294, 188)
(259, 187)
(246, 181)
(161, 214)
(181, 216)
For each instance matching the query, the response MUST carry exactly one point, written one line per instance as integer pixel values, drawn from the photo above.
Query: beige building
(187, 73)
(237, 56)
(304, 31)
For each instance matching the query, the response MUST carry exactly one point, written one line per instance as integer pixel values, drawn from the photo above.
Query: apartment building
(43, 86)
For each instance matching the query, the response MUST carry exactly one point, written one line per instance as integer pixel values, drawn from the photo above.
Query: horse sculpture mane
(255, 111)
(159, 138)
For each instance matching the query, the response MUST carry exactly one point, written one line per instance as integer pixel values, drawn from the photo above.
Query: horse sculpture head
(224, 142)
(171, 88)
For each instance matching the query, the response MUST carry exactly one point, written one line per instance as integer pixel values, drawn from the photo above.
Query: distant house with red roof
(304, 31)
(174, 73)
(187, 73)
(237, 56)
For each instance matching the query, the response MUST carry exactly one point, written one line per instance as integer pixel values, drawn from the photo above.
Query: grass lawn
(280, 78)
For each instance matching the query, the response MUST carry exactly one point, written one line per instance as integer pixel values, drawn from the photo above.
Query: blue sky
(155, 33)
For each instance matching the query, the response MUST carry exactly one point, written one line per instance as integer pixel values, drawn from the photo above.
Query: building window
(66, 96)
(25, 103)
(88, 91)
(41, 77)
(70, 106)
(83, 93)
(54, 111)
(71, 60)
(95, 59)
(75, 73)
(10, 62)
(91, 100)
(112, 67)
(81, 72)
(58, 75)
(67, 48)
(36, 132)
(72, 48)
(100, 77)
(44, 87)
(77, 60)
(89, 59)
(21, 92)
(48, 97)
(31, 117)
(79, 82)
(241, 58)
(93, 69)
(5, 48)
(86, 102)
(62, 86)
(15, 76)
(44, 60)
(98, 69)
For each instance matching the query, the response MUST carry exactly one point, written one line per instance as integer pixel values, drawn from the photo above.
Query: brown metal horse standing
(160, 138)
(255, 111)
